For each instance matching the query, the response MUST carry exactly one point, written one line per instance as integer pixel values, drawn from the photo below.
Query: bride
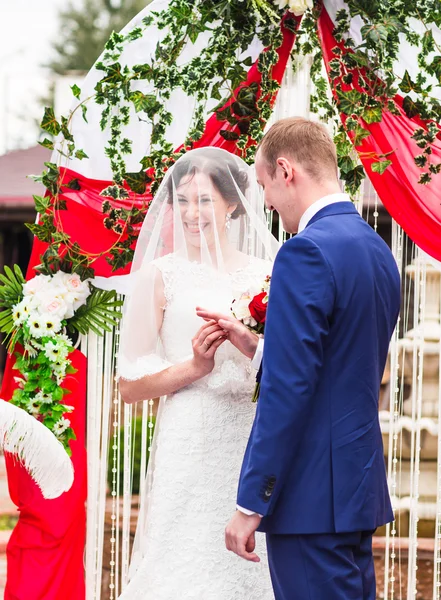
(204, 242)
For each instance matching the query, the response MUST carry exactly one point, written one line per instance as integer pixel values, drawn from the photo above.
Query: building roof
(16, 188)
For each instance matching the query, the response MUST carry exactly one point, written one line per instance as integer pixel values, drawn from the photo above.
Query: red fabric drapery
(415, 207)
(45, 553)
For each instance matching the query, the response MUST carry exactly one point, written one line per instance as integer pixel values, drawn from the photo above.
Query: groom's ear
(286, 168)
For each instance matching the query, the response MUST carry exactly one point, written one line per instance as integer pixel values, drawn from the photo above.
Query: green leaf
(75, 90)
(57, 394)
(425, 178)
(74, 184)
(345, 164)
(376, 33)
(137, 182)
(80, 154)
(421, 160)
(6, 321)
(435, 169)
(410, 107)
(99, 314)
(84, 112)
(372, 114)
(113, 73)
(354, 178)
(229, 135)
(407, 85)
(360, 133)
(47, 143)
(49, 122)
(428, 42)
(435, 67)
(40, 231)
(41, 204)
(145, 103)
(11, 292)
(380, 166)
(349, 102)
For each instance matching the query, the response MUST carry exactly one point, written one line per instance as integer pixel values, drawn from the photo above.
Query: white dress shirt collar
(318, 205)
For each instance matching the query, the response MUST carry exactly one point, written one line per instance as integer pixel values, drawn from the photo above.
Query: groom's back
(338, 480)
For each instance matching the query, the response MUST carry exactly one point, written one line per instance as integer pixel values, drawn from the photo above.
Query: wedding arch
(185, 74)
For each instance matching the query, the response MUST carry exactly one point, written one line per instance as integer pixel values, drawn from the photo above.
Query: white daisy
(44, 398)
(61, 425)
(37, 326)
(29, 348)
(55, 352)
(33, 407)
(52, 324)
(21, 311)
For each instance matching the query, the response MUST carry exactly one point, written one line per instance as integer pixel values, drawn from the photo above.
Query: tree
(84, 30)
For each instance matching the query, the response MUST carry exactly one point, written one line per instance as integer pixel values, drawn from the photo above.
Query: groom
(313, 476)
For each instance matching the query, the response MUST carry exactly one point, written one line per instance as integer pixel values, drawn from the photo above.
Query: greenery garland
(212, 75)
(371, 66)
(42, 315)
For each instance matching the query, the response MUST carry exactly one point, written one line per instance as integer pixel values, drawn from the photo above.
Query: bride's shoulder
(164, 263)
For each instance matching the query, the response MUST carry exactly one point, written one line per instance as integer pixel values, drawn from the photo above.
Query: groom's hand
(240, 336)
(240, 536)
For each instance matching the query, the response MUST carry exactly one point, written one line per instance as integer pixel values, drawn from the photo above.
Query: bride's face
(203, 209)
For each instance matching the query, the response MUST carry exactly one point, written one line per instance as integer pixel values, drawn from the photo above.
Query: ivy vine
(214, 74)
(363, 83)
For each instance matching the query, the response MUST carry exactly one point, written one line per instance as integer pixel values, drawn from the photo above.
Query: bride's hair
(225, 183)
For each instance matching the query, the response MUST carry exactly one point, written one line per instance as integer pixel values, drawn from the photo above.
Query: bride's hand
(240, 336)
(205, 344)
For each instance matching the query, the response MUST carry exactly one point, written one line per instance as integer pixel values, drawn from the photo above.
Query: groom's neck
(314, 192)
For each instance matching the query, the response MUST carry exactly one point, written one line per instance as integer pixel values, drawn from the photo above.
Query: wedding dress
(200, 445)
(207, 208)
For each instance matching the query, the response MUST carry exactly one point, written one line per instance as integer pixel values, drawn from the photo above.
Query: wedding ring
(205, 344)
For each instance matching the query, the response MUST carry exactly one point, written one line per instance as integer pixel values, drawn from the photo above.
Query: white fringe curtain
(409, 415)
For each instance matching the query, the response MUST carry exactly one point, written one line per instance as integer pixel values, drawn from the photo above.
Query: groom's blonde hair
(306, 142)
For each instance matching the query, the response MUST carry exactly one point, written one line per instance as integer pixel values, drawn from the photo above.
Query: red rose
(258, 307)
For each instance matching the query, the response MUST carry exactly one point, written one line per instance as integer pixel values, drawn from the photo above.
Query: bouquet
(250, 308)
(38, 315)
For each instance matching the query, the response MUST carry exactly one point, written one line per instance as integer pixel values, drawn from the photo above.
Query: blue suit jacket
(314, 462)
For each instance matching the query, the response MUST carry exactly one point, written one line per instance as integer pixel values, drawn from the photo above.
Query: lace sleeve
(142, 366)
(140, 352)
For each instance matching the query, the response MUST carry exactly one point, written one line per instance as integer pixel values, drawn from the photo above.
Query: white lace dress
(199, 447)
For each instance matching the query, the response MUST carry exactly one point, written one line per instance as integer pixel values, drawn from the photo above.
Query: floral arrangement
(37, 314)
(250, 308)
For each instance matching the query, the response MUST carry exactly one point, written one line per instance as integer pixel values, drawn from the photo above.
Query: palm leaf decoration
(11, 293)
(100, 313)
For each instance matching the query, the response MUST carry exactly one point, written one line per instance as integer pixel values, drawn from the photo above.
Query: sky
(26, 30)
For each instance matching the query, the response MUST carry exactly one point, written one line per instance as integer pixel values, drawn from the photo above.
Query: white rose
(51, 302)
(77, 291)
(298, 7)
(36, 284)
(240, 307)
